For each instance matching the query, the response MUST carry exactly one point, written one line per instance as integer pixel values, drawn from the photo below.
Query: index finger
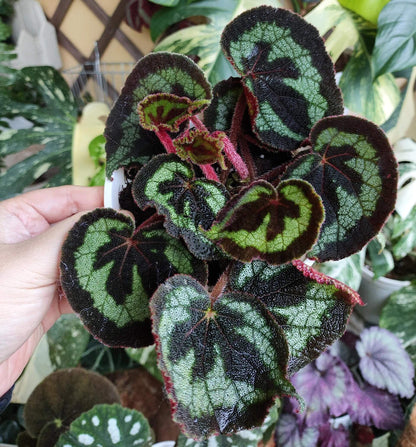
(55, 204)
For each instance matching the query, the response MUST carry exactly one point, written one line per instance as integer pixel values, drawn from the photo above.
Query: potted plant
(227, 207)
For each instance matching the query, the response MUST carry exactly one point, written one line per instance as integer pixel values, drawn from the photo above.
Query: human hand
(33, 227)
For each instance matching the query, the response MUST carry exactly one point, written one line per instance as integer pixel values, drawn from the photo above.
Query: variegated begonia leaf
(167, 111)
(127, 141)
(108, 426)
(288, 77)
(169, 184)
(311, 308)
(201, 147)
(109, 271)
(224, 359)
(67, 340)
(372, 406)
(275, 225)
(384, 363)
(225, 95)
(353, 169)
(290, 432)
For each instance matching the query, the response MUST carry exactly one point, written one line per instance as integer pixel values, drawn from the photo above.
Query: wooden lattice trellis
(111, 31)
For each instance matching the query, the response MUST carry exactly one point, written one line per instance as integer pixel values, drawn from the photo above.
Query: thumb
(39, 256)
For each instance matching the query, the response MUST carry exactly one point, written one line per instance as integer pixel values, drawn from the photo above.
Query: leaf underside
(167, 111)
(287, 75)
(201, 147)
(109, 272)
(223, 361)
(168, 184)
(275, 225)
(353, 169)
(311, 308)
(175, 74)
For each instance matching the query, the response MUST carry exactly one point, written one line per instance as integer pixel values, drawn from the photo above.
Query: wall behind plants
(82, 27)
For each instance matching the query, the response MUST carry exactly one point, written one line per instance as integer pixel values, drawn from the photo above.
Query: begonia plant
(232, 189)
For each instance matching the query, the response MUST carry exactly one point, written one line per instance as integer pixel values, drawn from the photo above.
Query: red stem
(166, 140)
(199, 124)
(209, 172)
(235, 158)
(219, 287)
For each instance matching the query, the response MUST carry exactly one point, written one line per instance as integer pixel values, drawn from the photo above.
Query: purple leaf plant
(357, 382)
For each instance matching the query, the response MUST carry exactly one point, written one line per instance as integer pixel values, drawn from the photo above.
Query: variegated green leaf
(169, 184)
(109, 271)
(127, 141)
(108, 426)
(311, 308)
(375, 99)
(276, 225)
(347, 270)
(288, 76)
(353, 169)
(223, 358)
(167, 111)
(67, 340)
(45, 100)
(219, 114)
(399, 313)
(343, 25)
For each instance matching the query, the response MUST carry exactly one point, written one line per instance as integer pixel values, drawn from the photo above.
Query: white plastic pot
(113, 187)
(374, 293)
(164, 444)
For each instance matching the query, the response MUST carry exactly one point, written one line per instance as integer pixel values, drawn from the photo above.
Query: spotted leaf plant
(232, 189)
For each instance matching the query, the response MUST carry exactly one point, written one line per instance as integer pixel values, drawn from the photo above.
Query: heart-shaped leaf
(175, 74)
(353, 169)
(64, 395)
(167, 111)
(288, 76)
(224, 360)
(275, 225)
(201, 147)
(168, 184)
(109, 271)
(384, 363)
(108, 426)
(311, 308)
